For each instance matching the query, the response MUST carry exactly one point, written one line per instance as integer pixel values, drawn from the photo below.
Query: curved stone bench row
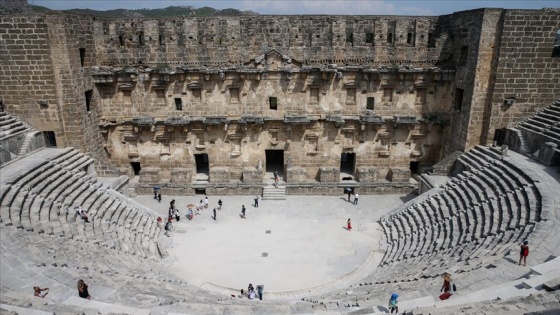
(112, 276)
(490, 204)
(42, 198)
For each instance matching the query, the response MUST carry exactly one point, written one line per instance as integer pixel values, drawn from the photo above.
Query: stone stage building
(216, 104)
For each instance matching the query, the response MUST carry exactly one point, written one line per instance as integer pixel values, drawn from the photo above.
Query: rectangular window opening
(390, 38)
(82, 56)
(463, 57)
(369, 38)
(459, 99)
(161, 40)
(410, 39)
(178, 103)
(350, 38)
(141, 39)
(273, 102)
(121, 40)
(370, 104)
(88, 95)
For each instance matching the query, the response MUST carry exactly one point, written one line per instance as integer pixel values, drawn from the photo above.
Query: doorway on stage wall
(347, 164)
(136, 167)
(274, 163)
(202, 166)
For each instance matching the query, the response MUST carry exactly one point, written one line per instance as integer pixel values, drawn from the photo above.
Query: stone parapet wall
(324, 189)
(181, 175)
(219, 175)
(296, 175)
(368, 175)
(329, 175)
(150, 175)
(252, 175)
(399, 175)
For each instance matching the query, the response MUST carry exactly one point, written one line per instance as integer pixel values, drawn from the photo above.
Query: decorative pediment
(273, 60)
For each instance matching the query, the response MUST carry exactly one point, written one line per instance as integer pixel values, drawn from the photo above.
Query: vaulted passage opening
(50, 138)
(347, 164)
(136, 168)
(274, 161)
(202, 165)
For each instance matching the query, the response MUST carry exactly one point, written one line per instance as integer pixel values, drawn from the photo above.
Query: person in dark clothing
(214, 214)
(220, 204)
(243, 211)
(256, 201)
(83, 290)
(159, 197)
(349, 193)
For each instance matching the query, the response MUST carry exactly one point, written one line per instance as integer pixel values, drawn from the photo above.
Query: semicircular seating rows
(46, 186)
(470, 220)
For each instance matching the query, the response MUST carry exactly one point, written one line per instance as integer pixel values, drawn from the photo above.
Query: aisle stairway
(274, 193)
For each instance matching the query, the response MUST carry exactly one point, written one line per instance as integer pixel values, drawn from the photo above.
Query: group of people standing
(251, 294)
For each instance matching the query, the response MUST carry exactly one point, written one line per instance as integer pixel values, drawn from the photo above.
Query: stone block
(399, 175)
(296, 175)
(368, 175)
(548, 153)
(252, 175)
(150, 175)
(219, 175)
(329, 175)
(181, 175)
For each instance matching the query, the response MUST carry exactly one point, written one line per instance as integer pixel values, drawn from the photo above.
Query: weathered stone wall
(44, 80)
(525, 70)
(236, 40)
(27, 72)
(382, 89)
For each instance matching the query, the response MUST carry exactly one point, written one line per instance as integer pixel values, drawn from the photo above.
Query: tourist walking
(356, 198)
(349, 193)
(219, 204)
(243, 211)
(349, 225)
(393, 303)
(524, 252)
(256, 201)
(206, 201)
(177, 215)
(214, 214)
(39, 290)
(168, 227)
(83, 290)
(260, 289)
(159, 197)
(276, 179)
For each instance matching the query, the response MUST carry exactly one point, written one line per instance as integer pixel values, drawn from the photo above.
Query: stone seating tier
(491, 202)
(42, 198)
